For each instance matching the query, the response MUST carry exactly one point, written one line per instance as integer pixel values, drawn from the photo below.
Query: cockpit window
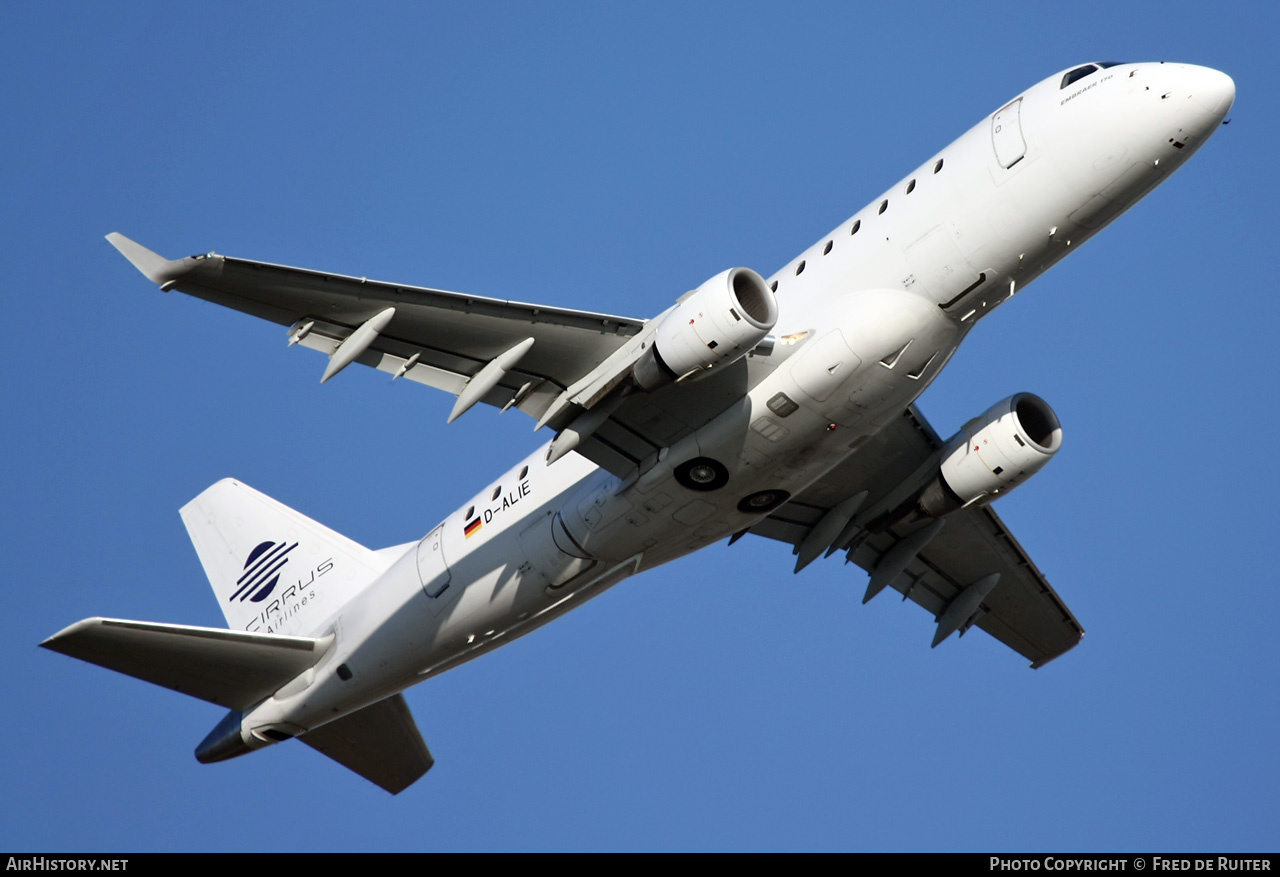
(1105, 64)
(1077, 74)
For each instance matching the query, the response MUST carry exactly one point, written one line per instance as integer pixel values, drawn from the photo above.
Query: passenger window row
(857, 223)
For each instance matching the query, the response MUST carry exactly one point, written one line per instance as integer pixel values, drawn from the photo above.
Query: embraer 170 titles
(780, 407)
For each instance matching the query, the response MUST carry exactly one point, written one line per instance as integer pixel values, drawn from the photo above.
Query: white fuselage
(868, 317)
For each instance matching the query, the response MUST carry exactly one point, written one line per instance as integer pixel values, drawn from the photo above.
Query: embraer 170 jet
(781, 407)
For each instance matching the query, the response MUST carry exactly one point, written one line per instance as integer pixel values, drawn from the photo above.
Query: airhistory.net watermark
(46, 863)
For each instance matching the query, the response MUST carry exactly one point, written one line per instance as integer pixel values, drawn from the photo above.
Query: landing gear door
(1006, 135)
(432, 569)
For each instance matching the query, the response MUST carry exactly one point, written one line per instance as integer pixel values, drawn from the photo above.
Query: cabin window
(857, 224)
(827, 248)
(1077, 74)
(800, 267)
(884, 205)
(773, 286)
(911, 187)
(523, 472)
(937, 166)
(497, 492)
(471, 513)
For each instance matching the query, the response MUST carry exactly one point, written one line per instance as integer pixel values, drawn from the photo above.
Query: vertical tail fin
(273, 569)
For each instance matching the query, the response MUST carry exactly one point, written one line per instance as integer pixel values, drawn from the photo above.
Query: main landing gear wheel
(763, 501)
(702, 473)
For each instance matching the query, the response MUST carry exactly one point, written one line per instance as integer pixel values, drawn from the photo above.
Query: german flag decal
(472, 528)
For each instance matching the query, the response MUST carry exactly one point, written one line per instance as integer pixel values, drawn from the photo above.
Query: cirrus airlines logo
(262, 571)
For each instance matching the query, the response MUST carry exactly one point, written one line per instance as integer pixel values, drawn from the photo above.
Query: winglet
(155, 267)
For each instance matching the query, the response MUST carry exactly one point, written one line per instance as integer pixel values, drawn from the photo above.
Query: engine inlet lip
(754, 297)
(1037, 422)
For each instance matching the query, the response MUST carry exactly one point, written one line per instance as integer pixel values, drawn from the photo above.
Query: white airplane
(779, 407)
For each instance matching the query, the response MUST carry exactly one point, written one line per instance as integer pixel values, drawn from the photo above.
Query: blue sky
(611, 157)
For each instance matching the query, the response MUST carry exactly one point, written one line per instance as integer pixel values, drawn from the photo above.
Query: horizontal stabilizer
(233, 669)
(380, 742)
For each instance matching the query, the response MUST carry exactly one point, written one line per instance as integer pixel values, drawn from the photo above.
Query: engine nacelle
(713, 325)
(993, 454)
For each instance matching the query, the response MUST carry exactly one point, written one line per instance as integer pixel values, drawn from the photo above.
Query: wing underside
(1022, 611)
(438, 338)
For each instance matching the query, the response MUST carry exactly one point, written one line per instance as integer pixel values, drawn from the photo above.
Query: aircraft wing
(442, 339)
(1022, 610)
(452, 341)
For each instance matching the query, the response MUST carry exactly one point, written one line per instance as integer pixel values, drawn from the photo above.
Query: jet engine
(994, 453)
(715, 324)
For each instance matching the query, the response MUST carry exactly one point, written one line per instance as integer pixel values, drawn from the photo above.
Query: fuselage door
(1006, 135)
(432, 569)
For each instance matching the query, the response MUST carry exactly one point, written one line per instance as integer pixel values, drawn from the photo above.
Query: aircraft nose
(1213, 90)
